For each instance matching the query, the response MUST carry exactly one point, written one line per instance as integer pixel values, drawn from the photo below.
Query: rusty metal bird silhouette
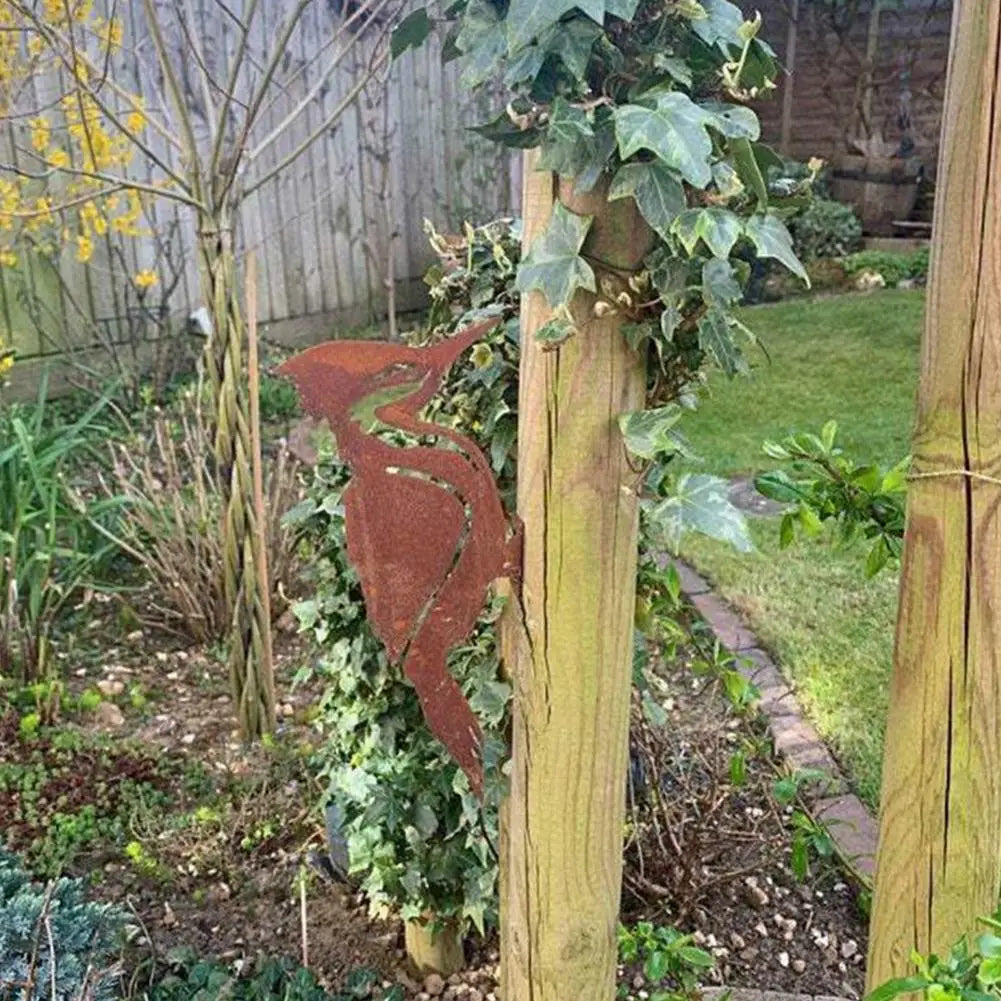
(426, 529)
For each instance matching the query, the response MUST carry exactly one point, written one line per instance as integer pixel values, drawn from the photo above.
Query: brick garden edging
(849, 823)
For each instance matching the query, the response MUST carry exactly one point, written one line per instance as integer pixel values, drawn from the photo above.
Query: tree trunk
(939, 861)
(237, 452)
(577, 496)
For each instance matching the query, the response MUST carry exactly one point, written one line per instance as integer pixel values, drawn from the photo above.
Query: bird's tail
(446, 710)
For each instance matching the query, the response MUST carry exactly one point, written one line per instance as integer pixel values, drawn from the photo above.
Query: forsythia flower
(59, 158)
(84, 248)
(39, 134)
(136, 121)
(8, 258)
(6, 364)
(145, 279)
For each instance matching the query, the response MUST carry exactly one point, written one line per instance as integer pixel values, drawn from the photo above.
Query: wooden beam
(789, 83)
(939, 859)
(577, 496)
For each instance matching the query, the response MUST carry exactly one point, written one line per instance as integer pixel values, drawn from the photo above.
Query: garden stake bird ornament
(425, 526)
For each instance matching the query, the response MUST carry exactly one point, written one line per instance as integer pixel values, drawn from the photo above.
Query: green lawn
(855, 359)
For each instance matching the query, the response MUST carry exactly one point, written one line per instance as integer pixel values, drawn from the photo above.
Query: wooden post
(789, 83)
(939, 859)
(577, 496)
(431, 951)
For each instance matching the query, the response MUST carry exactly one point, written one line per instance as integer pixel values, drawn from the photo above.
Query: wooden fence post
(572, 673)
(939, 860)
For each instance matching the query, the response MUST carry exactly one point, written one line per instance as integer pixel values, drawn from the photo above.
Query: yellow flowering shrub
(69, 193)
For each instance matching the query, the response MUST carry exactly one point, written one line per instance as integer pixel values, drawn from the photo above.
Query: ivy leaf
(726, 179)
(716, 339)
(411, 32)
(554, 333)
(675, 67)
(528, 19)
(657, 191)
(749, 169)
(722, 23)
(650, 434)
(563, 148)
(700, 503)
(573, 41)
(524, 66)
(624, 9)
(481, 40)
(670, 320)
(675, 129)
(719, 283)
(719, 228)
(597, 152)
(734, 120)
(554, 265)
(502, 130)
(771, 239)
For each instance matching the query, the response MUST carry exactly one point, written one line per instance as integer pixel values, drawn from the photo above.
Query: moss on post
(939, 861)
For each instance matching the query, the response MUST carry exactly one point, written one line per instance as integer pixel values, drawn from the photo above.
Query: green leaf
(718, 228)
(719, 283)
(424, 820)
(502, 130)
(554, 265)
(481, 39)
(573, 42)
(554, 333)
(411, 32)
(734, 120)
(566, 135)
(787, 530)
(647, 433)
(700, 503)
(696, 957)
(771, 239)
(809, 521)
(657, 191)
(878, 557)
(597, 152)
(828, 433)
(800, 859)
(674, 129)
(716, 339)
(670, 320)
(722, 23)
(624, 9)
(894, 988)
(778, 486)
(655, 967)
(738, 768)
(749, 170)
(528, 19)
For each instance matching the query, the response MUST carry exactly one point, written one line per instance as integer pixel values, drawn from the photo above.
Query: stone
(434, 984)
(753, 894)
(639, 981)
(110, 687)
(799, 965)
(108, 715)
(849, 948)
(761, 929)
(737, 941)
(784, 960)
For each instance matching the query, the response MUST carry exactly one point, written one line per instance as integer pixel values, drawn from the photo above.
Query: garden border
(850, 824)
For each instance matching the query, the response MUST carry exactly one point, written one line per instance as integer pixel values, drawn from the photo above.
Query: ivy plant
(643, 100)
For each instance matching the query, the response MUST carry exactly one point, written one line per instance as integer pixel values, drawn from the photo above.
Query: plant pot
(882, 189)
(438, 952)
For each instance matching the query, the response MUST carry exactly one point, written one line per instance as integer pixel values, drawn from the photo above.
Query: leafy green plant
(50, 542)
(811, 837)
(823, 484)
(825, 228)
(666, 957)
(893, 267)
(970, 972)
(417, 837)
(55, 945)
(279, 400)
(187, 976)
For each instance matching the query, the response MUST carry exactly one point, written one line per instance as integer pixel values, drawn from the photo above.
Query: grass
(854, 359)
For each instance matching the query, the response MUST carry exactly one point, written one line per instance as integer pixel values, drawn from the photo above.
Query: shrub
(171, 526)
(893, 267)
(51, 546)
(825, 229)
(55, 945)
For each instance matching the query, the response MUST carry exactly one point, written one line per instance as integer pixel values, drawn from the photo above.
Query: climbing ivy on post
(645, 198)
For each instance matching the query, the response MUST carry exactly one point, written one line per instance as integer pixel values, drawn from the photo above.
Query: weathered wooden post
(939, 862)
(578, 498)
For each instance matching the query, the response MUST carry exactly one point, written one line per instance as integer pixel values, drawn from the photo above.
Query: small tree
(92, 152)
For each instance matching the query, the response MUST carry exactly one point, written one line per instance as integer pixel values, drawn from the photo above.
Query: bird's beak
(443, 355)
